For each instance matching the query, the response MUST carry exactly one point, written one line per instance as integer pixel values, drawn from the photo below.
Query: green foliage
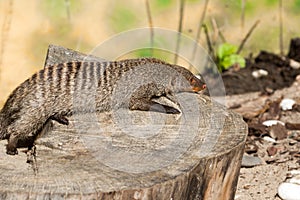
(58, 9)
(226, 57)
(163, 3)
(234, 7)
(193, 1)
(123, 18)
(144, 53)
(296, 6)
(156, 53)
(271, 2)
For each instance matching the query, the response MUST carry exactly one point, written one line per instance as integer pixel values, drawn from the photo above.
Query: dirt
(258, 100)
(280, 75)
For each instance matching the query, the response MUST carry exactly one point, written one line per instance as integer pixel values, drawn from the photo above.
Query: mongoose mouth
(198, 89)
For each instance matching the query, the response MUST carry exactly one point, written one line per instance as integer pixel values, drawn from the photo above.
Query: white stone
(272, 122)
(269, 139)
(287, 104)
(295, 179)
(289, 191)
(259, 73)
(294, 64)
(294, 172)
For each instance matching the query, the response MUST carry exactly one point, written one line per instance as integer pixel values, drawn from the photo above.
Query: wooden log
(294, 49)
(126, 154)
(58, 54)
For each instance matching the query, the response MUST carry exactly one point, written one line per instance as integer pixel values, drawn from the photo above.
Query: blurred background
(28, 27)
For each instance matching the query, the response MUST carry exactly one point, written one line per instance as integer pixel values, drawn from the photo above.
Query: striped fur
(52, 92)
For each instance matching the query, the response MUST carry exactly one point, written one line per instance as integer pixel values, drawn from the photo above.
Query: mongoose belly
(63, 89)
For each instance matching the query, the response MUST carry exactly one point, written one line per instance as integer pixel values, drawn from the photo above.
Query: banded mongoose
(51, 94)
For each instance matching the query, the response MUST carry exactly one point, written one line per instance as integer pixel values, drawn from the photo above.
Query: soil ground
(257, 99)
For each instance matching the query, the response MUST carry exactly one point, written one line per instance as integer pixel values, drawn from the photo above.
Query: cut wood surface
(126, 154)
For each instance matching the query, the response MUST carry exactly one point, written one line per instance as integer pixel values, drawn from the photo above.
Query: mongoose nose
(198, 89)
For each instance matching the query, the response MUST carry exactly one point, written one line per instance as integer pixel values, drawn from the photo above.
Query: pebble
(269, 139)
(295, 179)
(250, 161)
(289, 191)
(287, 104)
(294, 64)
(272, 151)
(294, 172)
(272, 122)
(259, 73)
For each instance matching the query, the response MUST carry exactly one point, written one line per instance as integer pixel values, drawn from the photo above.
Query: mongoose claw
(164, 109)
(169, 103)
(60, 119)
(171, 110)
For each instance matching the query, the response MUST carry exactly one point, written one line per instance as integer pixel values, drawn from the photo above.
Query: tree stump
(126, 154)
(294, 49)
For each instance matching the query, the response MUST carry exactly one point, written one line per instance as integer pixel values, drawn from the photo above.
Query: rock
(250, 161)
(278, 131)
(259, 73)
(272, 122)
(287, 104)
(269, 139)
(292, 126)
(289, 191)
(294, 64)
(295, 180)
(271, 151)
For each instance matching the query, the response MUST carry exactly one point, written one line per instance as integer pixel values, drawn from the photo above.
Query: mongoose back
(49, 94)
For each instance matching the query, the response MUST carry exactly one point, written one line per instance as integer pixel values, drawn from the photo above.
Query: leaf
(235, 58)
(232, 59)
(226, 57)
(225, 50)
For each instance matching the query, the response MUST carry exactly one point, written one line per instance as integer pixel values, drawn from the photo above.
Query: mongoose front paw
(60, 119)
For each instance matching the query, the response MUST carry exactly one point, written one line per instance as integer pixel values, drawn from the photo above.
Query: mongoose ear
(172, 82)
(171, 87)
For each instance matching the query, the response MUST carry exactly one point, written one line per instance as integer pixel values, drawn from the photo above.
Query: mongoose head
(196, 85)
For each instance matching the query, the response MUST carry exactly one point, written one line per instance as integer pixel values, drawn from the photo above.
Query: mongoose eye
(193, 81)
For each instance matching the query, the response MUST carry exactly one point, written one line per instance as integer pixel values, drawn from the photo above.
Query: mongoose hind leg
(17, 140)
(11, 148)
(22, 133)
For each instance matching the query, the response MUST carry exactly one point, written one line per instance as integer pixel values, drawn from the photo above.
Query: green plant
(123, 18)
(227, 56)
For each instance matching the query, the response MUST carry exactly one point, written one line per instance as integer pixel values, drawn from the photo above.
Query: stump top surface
(123, 149)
